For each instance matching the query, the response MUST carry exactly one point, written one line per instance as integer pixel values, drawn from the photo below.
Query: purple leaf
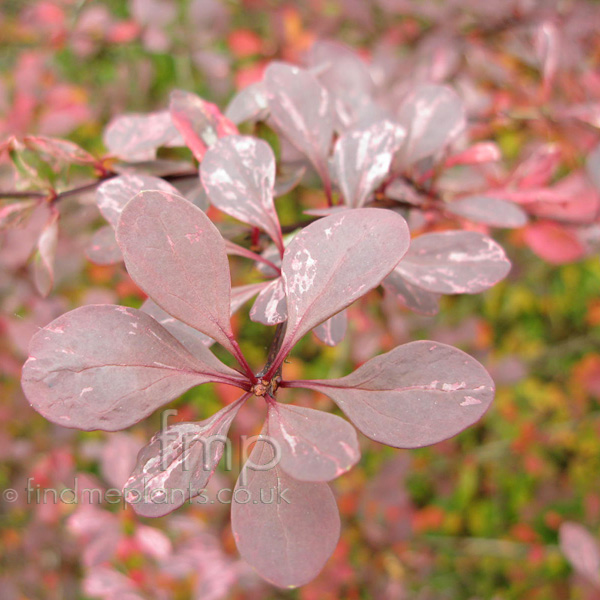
(178, 462)
(103, 248)
(401, 191)
(270, 307)
(411, 296)
(114, 194)
(286, 529)
(334, 261)
(238, 173)
(249, 104)
(117, 458)
(136, 137)
(43, 263)
(333, 331)
(454, 262)
(266, 262)
(433, 116)
(191, 189)
(55, 149)
(177, 256)
(16, 214)
(242, 293)
(581, 549)
(301, 109)
(490, 211)
(107, 367)
(415, 395)
(345, 76)
(200, 123)
(314, 445)
(362, 159)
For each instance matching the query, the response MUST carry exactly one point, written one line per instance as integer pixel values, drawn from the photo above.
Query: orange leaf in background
(244, 43)
(586, 374)
(429, 518)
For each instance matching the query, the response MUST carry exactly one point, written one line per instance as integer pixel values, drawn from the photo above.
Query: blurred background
(475, 517)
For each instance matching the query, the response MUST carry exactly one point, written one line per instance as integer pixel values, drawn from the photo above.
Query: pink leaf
(249, 104)
(481, 152)
(136, 137)
(63, 151)
(288, 178)
(537, 170)
(332, 331)
(107, 367)
(301, 109)
(200, 123)
(43, 263)
(490, 211)
(433, 117)
(412, 296)
(114, 194)
(454, 262)
(314, 445)
(177, 256)
(103, 248)
(581, 549)
(15, 214)
(554, 243)
(593, 166)
(415, 395)
(118, 458)
(270, 307)
(178, 462)
(286, 529)
(336, 260)
(362, 159)
(238, 173)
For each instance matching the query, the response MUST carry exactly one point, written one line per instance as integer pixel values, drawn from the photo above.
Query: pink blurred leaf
(433, 116)
(107, 367)
(270, 307)
(177, 463)
(114, 194)
(286, 529)
(136, 137)
(103, 248)
(177, 256)
(537, 169)
(415, 395)
(118, 458)
(60, 150)
(593, 166)
(14, 214)
(412, 296)
(454, 262)
(581, 549)
(238, 173)
(345, 76)
(481, 152)
(487, 210)
(301, 109)
(288, 177)
(200, 123)
(249, 104)
(554, 243)
(333, 331)
(43, 261)
(336, 260)
(362, 159)
(314, 445)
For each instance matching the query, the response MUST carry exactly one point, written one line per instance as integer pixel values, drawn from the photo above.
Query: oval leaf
(433, 116)
(490, 211)
(454, 262)
(286, 529)
(411, 296)
(177, 256)
(415, 395)
(362, 159)
(178, 462)
(301, 109)
(103, 248)
(238, 173)
(107, 367)
(334, 261)
(314, 445)
(581, 549)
